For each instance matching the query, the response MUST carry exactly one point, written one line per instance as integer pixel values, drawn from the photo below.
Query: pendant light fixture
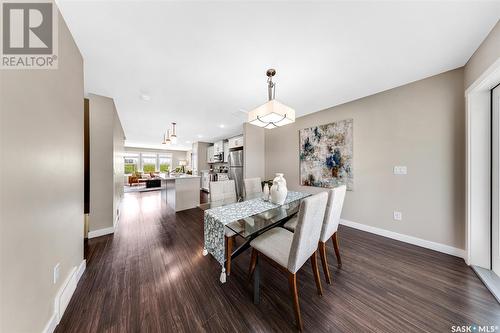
(166, 138)
(272, 113)
(173, 137)
(170, 138)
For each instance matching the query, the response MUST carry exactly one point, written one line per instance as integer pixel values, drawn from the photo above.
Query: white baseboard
(51, 325)
(101, 232)
(64, 295)
(81, 270)
(407, 239)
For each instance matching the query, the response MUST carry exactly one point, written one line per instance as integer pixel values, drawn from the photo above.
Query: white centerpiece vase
(279, 190)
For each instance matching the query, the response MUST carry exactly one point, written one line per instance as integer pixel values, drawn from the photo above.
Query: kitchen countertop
(180, 177)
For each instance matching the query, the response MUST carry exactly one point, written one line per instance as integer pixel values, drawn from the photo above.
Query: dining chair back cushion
(332, 215)
(253, 185)
(306, 235)
(222, 190)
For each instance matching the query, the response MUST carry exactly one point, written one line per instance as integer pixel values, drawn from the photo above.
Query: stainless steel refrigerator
(236, 170)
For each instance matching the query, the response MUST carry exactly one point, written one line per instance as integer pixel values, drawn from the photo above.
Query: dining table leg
(256, 282)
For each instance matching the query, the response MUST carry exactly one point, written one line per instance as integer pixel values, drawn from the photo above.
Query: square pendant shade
(271, 114)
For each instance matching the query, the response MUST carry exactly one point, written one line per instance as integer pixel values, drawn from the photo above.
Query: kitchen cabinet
(182, 192)
(236, 142)
(210, 154)
(218, 147)
(225, 146)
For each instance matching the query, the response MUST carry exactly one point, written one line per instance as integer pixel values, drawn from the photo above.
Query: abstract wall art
(326, 155)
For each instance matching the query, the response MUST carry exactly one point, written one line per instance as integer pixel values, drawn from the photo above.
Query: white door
(495, 230)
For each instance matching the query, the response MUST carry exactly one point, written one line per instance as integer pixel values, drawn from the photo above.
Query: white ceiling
(201, 62)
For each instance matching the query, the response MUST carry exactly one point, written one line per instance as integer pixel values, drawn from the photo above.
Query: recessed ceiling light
(199, 136)
(145, 97)
(188, 141)
(221, 126)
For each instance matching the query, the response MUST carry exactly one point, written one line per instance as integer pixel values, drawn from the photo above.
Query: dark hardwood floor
(151, 276)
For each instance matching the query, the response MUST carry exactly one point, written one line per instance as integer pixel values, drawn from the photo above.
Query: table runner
(216, 218)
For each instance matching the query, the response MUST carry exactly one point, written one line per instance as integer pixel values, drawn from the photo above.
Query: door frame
(495, 181)
(478, 167)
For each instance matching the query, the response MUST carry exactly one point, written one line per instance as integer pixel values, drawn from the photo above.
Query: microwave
(219, 157)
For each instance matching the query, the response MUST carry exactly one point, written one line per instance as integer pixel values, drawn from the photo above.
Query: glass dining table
(248, 217)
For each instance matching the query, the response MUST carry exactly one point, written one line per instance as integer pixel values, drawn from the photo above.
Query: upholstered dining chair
(225, 190)
(290, 250)
(252, 185)
(222, 190)
(330, 226)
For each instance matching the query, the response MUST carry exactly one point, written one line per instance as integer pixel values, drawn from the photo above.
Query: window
(148, 162)
(165, 162)
(131, 163)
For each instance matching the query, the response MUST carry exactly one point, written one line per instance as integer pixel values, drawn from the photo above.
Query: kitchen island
(182, 192)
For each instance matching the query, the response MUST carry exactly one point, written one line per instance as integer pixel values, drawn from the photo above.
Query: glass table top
(228, 201)
(257, 223)
(254, 224)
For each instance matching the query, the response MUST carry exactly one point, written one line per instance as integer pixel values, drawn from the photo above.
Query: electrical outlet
(398, 216)
(56, 273)
(400, 170)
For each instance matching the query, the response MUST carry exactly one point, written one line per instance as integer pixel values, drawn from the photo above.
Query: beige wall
(118, 164)
(485, 56)
(420, 125)
(41, 185)
(254, 153)
(199, 162)
(106, 162)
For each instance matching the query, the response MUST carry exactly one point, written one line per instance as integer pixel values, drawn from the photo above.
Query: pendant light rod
(270, 84)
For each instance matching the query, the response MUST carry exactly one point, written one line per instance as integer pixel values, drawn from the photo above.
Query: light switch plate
(398, 216)
(400, 170)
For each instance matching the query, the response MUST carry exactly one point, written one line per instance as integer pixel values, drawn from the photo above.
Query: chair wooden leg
(335, 242)
(292, 280)
(253, 262)
(314, 264)
(322, 254)
(229, 252)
